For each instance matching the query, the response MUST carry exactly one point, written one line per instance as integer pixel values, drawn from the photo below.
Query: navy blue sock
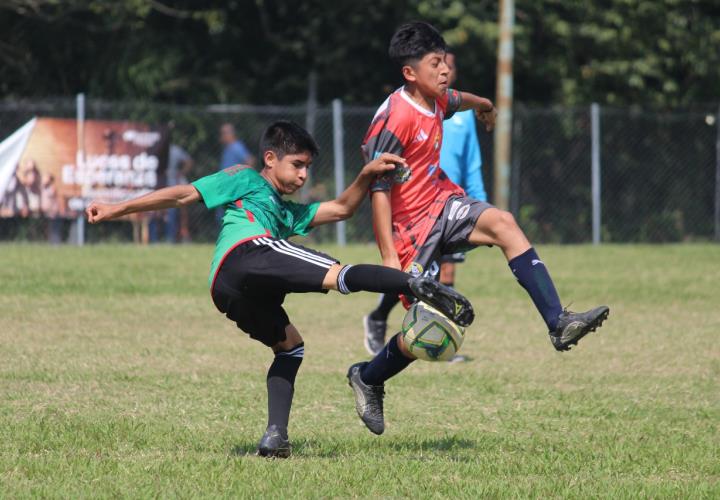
(387, 363)
(532, 274)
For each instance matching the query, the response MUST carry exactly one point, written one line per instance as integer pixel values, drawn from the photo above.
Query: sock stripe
(342, 286)
(296, 352)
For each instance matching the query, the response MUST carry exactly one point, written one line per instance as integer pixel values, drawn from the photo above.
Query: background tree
(262, 51)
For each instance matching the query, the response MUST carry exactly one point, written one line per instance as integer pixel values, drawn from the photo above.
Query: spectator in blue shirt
(234, 153)
(460, 154)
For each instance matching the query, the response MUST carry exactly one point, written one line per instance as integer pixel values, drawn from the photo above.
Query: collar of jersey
(415, 105)
(272, 188)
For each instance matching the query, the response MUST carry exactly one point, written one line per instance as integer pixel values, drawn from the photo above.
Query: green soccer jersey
(252, 209)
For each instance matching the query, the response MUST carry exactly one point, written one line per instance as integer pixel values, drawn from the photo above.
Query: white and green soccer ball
(430, 335)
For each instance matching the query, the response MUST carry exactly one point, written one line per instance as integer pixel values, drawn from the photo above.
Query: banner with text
(53, 167)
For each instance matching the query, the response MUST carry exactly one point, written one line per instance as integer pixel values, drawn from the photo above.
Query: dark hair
(412, 41)
(285, 137)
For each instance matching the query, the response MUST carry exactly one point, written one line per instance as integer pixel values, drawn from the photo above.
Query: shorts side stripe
(271, 244)
(282, 244)
(290, 246)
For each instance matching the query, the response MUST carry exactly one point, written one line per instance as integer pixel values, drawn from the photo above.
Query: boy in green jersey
(254, 266)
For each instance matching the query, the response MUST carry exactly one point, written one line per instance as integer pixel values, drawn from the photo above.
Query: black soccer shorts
(253, 279)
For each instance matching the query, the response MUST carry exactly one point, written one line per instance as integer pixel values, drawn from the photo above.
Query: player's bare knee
(331, 278)
(505, 229)
(504, 223)
(292, 338)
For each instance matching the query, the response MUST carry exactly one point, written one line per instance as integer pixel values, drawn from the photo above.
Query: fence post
(339, 161)
(717, 178)
(504, 102)
(80, 106)
(516, 162)
(596, 206)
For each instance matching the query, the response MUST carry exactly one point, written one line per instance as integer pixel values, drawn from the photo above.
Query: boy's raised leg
(381, 279)
(566, 328)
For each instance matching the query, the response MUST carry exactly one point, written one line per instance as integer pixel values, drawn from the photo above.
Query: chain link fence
(659, 170)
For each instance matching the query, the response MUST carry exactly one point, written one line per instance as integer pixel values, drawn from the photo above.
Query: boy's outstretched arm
(344, 206)
(169, 197)
(484, 108)
(382, 225)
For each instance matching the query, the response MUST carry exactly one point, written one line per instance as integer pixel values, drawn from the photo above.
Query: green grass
(120, 379)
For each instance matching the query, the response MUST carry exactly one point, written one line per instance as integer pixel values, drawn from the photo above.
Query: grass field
(119, 378)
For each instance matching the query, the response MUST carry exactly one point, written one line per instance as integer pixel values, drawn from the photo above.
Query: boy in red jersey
(419, 214)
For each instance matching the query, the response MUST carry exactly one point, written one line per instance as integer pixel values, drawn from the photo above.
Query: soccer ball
(430, 335)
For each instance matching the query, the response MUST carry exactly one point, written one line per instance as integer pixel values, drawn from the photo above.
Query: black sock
(387, 363)
(281, 384)
(531, 273)
(372, 278)
(382, 311)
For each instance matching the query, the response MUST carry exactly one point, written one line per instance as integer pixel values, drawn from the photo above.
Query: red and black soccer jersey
(418, 193)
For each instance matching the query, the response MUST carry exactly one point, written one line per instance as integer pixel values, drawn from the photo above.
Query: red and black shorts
(449, 236)
(252, 281)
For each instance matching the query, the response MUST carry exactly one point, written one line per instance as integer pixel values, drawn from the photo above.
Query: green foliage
(614, 51)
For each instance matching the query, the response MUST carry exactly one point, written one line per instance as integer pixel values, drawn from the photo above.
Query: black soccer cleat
(368, 400)
(574, 326)
(274, 443)
(374, 334)
(443, 298)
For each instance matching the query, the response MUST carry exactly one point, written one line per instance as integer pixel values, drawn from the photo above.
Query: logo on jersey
(438, 140)
(414, 269)
(399, 176)
(402, 174)
(422, 136)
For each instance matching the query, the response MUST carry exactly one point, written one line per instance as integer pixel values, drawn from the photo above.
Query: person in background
(234, 150)
(234, 153)
(26, 196)
(179, 165)
(50, 208)
(460, 159)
